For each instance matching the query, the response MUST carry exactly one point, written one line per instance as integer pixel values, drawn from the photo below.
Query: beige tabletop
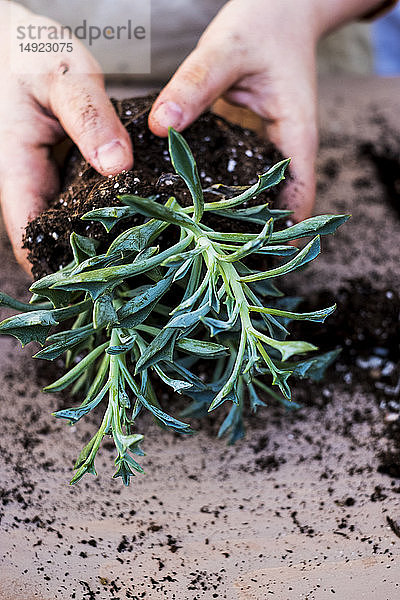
(269, 517)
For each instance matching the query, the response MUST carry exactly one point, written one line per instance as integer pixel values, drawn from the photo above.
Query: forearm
(331, 14)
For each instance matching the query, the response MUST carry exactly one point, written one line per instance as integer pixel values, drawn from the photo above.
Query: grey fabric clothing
(178, 24)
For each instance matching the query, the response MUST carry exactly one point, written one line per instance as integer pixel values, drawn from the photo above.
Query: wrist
(335, 13)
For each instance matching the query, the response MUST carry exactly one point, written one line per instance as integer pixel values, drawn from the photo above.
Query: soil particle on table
(224, 153)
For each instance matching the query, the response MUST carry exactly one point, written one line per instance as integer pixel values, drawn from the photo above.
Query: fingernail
(111, 157)
(168, 114)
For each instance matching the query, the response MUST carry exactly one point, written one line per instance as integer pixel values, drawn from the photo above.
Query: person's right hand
(37, 111)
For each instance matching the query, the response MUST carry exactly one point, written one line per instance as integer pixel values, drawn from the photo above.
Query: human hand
(261, 54)
(37, 111)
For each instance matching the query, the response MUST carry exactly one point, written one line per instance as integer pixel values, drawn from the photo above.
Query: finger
(25, 188)
(297, 140)
(85, 112)
(290, 122)
(200, 80)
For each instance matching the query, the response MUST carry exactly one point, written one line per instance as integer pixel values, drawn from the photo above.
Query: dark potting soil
(366, 327)
(224, 153)
(384, 155)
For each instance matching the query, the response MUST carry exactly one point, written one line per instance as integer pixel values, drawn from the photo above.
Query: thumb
(208, 71)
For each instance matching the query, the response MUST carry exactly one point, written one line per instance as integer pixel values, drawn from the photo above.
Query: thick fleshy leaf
(255, 400)
(188, 303)
(87, 467)
(103, 260)
(224, 395)
(315, 367)
(109, 216)
(76, 371)
(75, 414)
(165, 419)
(265, 181)
(278, 250)
(189, 319)
(321, 225)
(179, 259)
(254, 214)
(137, 238)
(233, 424)
(317, 316)
(152, 209)
(124, 347)
(287, 403)
(61, 342)
(177, 385)
(286, 349)
(185, 166)
(124, 464)
(44, 287)
(96, 282)
(160, 348)
(279, 376)
(85, 452)
(104, 313)
(82, 247)
(217, 326)
(306, 255)
(138, 309)
(6, 300)
(250, 247)
(29, 327)
(201, 348)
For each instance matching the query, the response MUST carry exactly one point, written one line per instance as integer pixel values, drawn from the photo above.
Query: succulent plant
(138, 312)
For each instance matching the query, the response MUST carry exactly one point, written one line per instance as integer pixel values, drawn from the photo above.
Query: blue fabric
(386, 42)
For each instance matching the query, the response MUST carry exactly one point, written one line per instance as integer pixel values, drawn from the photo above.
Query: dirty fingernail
(168, 114)
(111, 157)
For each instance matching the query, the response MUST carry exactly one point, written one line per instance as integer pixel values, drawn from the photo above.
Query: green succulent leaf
(109, 216)
(75, 414)
(104, 313)
(309, 253)
(61, 342)
(165, 419)
(98, 281)
(314, 368)
(321, 225)
(233, 423)
(6, 300)
(82, 247)
(29, 327)
(259, 214)
(76, 371)
(137, 238)
(317, 316)
(185, 166)
(152, 209)
(265, 181)
(161, 348)
(286, 349)
(134, 312)
(201, 348)
(44, 288)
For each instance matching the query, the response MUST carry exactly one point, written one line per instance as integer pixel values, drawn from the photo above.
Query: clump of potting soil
(224, 152)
